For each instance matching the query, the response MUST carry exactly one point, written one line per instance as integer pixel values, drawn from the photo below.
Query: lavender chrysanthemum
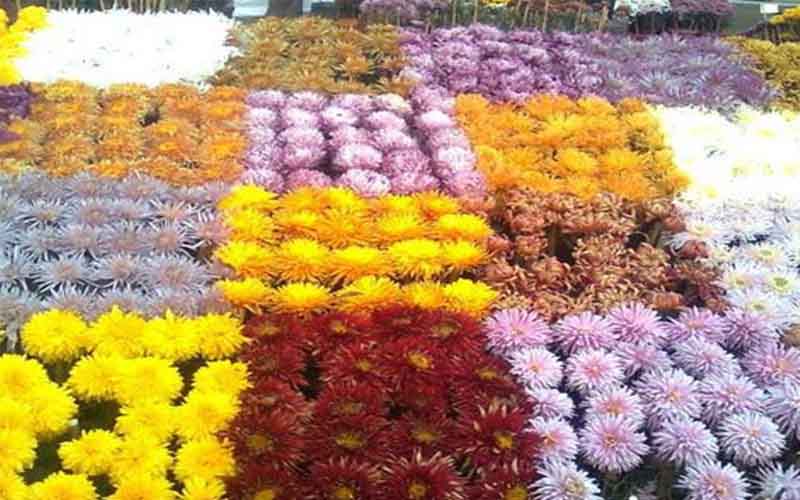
(751, 438)
(406, 161)
(612, 444)
(696, 322)
(581, 331)
(668, 394)
(60, 272)
(537, 368)
(557, 439)
(636, 323)
(593, 369)
(783, 405)
(266, 99)
(550, 403)
(307, 178)
(773, 363)
(512, 329)
(727, 394)
(684, 441)
(710, 480)
(618, 402)
(642, 358)
(776, 482)
(411, 182)
(383, 120)
(360, 156)
(701, 358)
(336, 116)
(565, 481)
(366, 183)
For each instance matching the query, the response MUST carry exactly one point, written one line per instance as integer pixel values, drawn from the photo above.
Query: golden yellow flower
(462, 227)
(418, 258)
(297, 224)
(462, 255)
(171, 337)
(91, 454)
(95, 377)
(17, 450)
(301, 259)
(246, 258)
(250, 225)
(138, 458)
(221, 376)
(469, 297)
(302, 298)
(425, 294)
(55, 336)
(117, 333)
(52, 408)
(202, 489)
(248, 196)
(354, 262)
(143, 486)
(205, 458)
(150, 418)
(12, 487)
(16, 414)
(203, 414)
(63, 486)
(368, 293)
(218, 335)
(20, 375)
(435, 205)
(249, 293)
(396, 227)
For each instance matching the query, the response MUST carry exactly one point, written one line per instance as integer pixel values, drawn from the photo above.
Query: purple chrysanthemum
(358, 103)
(406, 161)
(297, 117)
(465, 183)
(710, 480)
(334, 117)
(612, 444)
(390, 139)
(367, 183)
(696, 322)
(773, 363)
(261, 135)
(92, 212)
(411, 182)
(557, 439)
(748, 330)
(299, 156)
(550, 403)
(126, 238)
(581, 331)
(751, 438)
(775, 482)
(60, 272)
(434, 120)
(360, 156)
(394, 103)
(449, 161)
(343, 136)
(302, 137)
(536, 367)
(266, 178)
(266, 99)
(261, 118)
(307, 178)
(384, 119)
(783, 405)
(263, 155)
(119, 270)
(727, 394)
(448, 138)
(684, 441)
(312, 101)
(73, 299)
(636, 323)
(593, 369)
(642, 358)
(564, 481)
(617, 402)
(175, 273)
(668, 394)
(512, 329)
(701, 358)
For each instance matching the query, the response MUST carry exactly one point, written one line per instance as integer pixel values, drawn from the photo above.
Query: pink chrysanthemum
(263, 155)
(266, 178)
(612, 444)
(367, 183)
(701, 358)
(696, 322)
(711, 480)
(361, 156)
(584, 330)
(783, 405)
(748, 330)
(557, 439)
(550, 403)
(336, 116)
(537, 368)
(307, 178)
(261, 118)
(636, 323)
(358, 103)
(451, 160)
(406, 161)
(593, 369)
(266, 99)
(751, 438)
(727, 394)
(772, 364)
(668, 394)
(448, 137)
(684, 441)
(343, 136)
(564, 481)
(434, 120)
(297, 117)
(642, 358)
(512, 329)
(302, 137)
(775, 482)
(384, 119)
(411, 182)
(312, 101)
(296, 157)
(618, 402)
(392, 139)
(464, 183)
(394, 103)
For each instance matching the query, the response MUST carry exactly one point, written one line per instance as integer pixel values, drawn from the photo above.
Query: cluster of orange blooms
(555, 144)
(174, 132)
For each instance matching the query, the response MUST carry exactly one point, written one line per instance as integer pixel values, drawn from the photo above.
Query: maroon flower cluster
(398, 404)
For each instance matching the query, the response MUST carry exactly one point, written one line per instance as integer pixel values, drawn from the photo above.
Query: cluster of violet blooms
(373, 145)
(15, 101)
(86, 244)
(715, 398)
(514, 65)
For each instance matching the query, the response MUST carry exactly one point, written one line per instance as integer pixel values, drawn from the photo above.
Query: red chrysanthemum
(337, 329)
(480, 379)
(494, 436)
(427, 434)
(505, 482)
(456, 333)
(267, 438)
(266, 481)
(420, 478)
(414, 360)
(359, 364)
(344, 479)
(282, 361)
(361, 438)
(277, 329)
(271, 394)
(398, 321)
(422, 398)
(345, 400)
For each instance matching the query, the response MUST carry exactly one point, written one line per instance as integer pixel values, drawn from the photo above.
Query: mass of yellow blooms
(582, 147)
(12, 37)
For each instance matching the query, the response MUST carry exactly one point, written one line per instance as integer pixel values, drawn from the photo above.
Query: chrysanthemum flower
(202, 489)
(150, 418)
(117, 333)
(61, 485)
(773, 363)
(512, 329)
(642, 358)
(421, 477)
(751, 438)
(247, 259)
(18, 450)
(583, 331)
(783, 405)
(203, 414)
(344, 478)
(12, 486)
(616, 401)
(697, 322)
(747, 330)
(354, 262)
(368, 293)
(301, 298)
(710, 480)
(418, 258)
(91, 454)
(668, 394)
(495, 435)
(218, 335)
(20, 375)
(396, 227)
(249, 293)
(612, 444)
(426, 295)
(55, 336)
(164, 380)
(537, 368)
(701, 358)
(170, 336)
(361, 437)
(469, 297)
(775, 482)
(95, 377)
(143, 486)
(466, 227)
(460, 256)
(221, 376)
(684, 441)
(636, 323)
(301, 259)
(564, 481)
(593, 369)
(729, 393)
(52, 407)
(557, 439)
(15, 414)
(248, 196)
(206, 458)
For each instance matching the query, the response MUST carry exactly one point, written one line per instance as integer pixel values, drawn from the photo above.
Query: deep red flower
(362, 437)
(338, 329)
(344, 479)
(260, 481)
(422, 397)
(414, 359)
(505, 482)
(347, 400)
(457, 333)
(274, 437)
(271, 394)
(276, 329)
(359, 363)
(429, 434)
(419, 478)
(282, 361)
(480, 379)
(399, 321)
(494, 436)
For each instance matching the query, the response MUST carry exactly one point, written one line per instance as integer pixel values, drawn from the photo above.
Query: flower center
(363, 365)
(344, 493)
(425, 435)
(267, 330)
(338, 327)
(350, 441)
(504, 440)
(260, 443)
(487, 374)
(267, 494)
(349, 408)
(610, 441)
(417, 490)
(444, 330)
(517, 492)
(420, 361)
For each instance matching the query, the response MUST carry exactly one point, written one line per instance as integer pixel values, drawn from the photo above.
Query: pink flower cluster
(373, 145)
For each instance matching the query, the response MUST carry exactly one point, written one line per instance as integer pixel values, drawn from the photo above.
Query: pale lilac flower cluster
(514, 65)
(373, 145)
(87, 243)
(716, 396)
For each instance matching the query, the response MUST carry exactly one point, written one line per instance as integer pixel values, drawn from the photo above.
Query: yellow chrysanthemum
(118, 333)
(397, 227)
(247, 259)
(250, 225)
(345, 200)
(17, 450)
(354, 262)
(462, 255)
(91, 454)
(204, 414)
(12, 487)
(202, 489)
(143, 486)
(302, 298)
(55, 336)
(299, 224)
(425, 294)
(419, 258)
(15, 415)
(368, 293)
(155, 419)
(301, 260)
(140, 457)
(20, 375)
(31, 18)
(53, 409)
(469, 297)
(248, 196)
(305, 199)
(164, 381)
(219, 335)
(339, 229)
(206, 458)
(171, 337)
(435, 205)
(95, 377)
(249, 293)
(394, 204)
(462, 227)
(221, 376)
(61, 486)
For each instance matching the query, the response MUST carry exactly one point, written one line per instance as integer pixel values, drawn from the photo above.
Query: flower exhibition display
(316, 259)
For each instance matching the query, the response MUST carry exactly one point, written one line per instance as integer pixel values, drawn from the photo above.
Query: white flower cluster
(743, 202)
(640, 7)
(118, 46)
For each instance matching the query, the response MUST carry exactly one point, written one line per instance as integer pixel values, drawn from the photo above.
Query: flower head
(537, 368)
(558, 440)
(710, 480)
(751, 438)
(684, 441)
(583, 331)
(612, 443)
(593, 369)
(512, 329)
(564, 481)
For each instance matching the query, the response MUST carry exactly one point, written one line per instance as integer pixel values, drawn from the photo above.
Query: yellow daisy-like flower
(419, 258)
(462, 255)
(155, 419)
(17, 450)
(52, 408)
(55, 336)
(31, 18)
(91, 454)
(394, 204)
(339, 229)
(201, 489)
(204, 414)
(469, 297)
(368, 293)
(143, 486)
(164, 381)
(305, 199)
(140, 457)
(171, 337)
(219, 335)
(397, 227)
(425, 294)
(302, 298)
(247, 196)
(250, 225)
(12, 487)
(299, 224)
(249, 293)
(248, 259)
(462, 227)
(95, 377)
(222, 376)
(19, 375)
(15, 415)
(435, 205)
(344, 199)
(301, 260)
(61, 486)
(206, 458)
(118, 333)
(354, 262)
